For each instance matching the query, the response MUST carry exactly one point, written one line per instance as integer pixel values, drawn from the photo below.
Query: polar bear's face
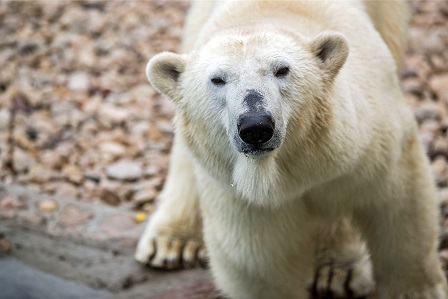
(250, 84)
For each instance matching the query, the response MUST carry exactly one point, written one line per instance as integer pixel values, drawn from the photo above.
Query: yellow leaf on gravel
(140, 217)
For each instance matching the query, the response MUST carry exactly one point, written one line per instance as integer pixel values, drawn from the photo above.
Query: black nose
(255, 128)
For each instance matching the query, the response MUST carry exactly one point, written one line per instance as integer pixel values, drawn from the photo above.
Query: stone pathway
(89, 243)
(19, 281)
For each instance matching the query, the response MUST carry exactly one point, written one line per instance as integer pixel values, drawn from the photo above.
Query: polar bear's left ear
(331, 49)
(163, 72)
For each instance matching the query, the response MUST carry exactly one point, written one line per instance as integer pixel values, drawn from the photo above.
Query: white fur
(346, 147)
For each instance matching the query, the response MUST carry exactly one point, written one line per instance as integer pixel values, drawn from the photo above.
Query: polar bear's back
(390, 18)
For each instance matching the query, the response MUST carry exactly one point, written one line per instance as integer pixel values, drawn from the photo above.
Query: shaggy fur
(345, 156)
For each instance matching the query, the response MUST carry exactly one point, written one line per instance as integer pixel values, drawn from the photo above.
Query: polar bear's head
(249, 85)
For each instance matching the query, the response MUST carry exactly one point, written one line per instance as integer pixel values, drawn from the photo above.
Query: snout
(255, 128)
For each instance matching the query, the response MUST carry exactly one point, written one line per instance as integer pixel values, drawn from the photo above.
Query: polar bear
(293, 145)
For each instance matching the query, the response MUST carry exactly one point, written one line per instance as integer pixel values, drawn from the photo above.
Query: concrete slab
(20, 281)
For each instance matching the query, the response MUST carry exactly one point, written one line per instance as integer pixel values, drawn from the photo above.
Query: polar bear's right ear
(163, 72)
(331, 49)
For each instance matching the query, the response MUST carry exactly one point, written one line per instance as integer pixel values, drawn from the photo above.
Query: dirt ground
(78, 119)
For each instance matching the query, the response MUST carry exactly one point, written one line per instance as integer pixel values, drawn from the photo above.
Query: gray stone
(125, 170)
(78, 82)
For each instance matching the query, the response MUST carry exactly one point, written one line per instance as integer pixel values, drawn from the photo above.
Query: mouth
(257, 152)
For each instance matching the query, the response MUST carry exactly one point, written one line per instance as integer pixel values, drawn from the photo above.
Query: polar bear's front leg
(342, 267)
(401, 231)
(173, 235)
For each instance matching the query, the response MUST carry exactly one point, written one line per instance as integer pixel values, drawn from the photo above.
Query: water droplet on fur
(232, 184)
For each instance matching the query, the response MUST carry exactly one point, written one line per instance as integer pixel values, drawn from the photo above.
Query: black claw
(313, 288)
(151, 257)
(203, 263)
(329, 294)
(171, 264)
(347, 289)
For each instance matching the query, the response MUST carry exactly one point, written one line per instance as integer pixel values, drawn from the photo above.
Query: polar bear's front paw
(342, 281)
(169, 252)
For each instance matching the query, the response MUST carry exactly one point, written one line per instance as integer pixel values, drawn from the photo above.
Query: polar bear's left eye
(218, 81)
(281, 72)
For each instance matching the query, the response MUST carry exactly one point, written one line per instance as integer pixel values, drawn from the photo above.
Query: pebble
(148, 208)
(66, 190)
(4, 118)
(144, 196)
(47, 205)
(78, 81)
(125, 170)
(110, 197)
(23, 160)
(428, 111)
(112, 148)
(39, 174)
(73, 174)
(35, 220)
(112, 114)
(72, 215)
(443, 255)
(12, 202)
(439, 84)
(5, 245)
(140, 129)
(151, 170)
(433, 43)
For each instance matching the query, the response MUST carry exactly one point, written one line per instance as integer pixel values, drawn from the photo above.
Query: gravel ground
(78, 119)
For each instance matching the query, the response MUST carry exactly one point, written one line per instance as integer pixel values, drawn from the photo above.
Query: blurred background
(85, 140)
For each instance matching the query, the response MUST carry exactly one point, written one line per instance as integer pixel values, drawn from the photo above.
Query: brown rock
(47, 205)
(5, 245)
(39, 174)
(113, 149)
(440, 146)
(428, 110)
(51, 159)
(443, 197)
(140, 129)
(73, 174)
(148, 208)
(151, 170)
(125, 170)
(144, 196)
(439, 84)
(111, 114)
(434, 43)
(35, 220)
(12, 202)
(443, 256)
(419, 65)
(72, 215)
(66, 190)
(439, 63)
(431, 126)
(23, 160)
(109, 197)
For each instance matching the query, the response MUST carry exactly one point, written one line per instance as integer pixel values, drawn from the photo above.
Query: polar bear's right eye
(218, 81)
(282, 72)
